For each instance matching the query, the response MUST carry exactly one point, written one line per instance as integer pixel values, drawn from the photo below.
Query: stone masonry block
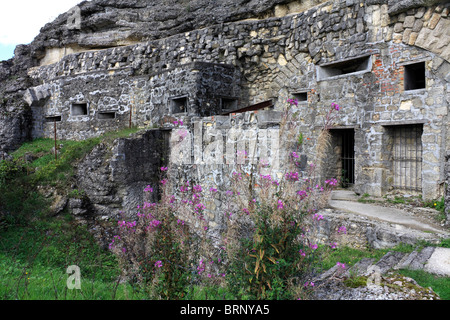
(434, 20)
(420, 12)
(418, 24)
(407, 35)
(413, 38)
(398, 27)
(409, 22)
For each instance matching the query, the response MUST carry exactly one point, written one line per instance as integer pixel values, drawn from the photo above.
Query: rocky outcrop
(105, 23)
(15, 114)
(363, 232)
(111, 179)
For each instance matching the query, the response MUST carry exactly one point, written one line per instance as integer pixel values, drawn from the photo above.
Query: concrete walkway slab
(439, 262)
(431, 259)
(388, 214)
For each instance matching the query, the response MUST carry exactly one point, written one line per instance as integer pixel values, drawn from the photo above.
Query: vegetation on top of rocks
(33, 167)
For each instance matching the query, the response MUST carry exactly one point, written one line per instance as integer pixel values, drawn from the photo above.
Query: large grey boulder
(398, 6)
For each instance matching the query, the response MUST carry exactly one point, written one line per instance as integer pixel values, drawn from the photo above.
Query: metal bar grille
(348, 156)
(407, 157)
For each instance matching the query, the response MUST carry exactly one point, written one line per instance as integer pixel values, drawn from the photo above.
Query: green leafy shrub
(156, 249)
(272, 242)
(438, 204)
(9, 170)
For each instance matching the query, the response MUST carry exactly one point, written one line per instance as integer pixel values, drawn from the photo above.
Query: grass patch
(350, 256)
(35, 249)
(356, 282)
(397, 200)
(365, 199)
(440, 285)
(34, 260)
(445, 243)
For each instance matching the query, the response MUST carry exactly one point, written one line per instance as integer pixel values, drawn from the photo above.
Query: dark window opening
(79, 109)
(106, 115)
(228, 104)
(344, 67)
(53, 119)
(415, 76)
(179, 105)
(301, 96)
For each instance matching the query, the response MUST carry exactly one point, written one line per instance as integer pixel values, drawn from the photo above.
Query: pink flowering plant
(270, 242)
(155, 248)
(165, 249)
(272, 239)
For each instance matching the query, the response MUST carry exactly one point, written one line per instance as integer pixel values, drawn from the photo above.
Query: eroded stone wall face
(113, 179)
(354, 53)
(447, 189)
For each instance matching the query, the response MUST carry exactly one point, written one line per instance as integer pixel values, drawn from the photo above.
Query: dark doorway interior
(348, 157)
(341, 157)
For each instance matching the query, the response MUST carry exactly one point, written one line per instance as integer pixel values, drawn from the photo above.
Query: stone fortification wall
(129, 100)
(204, 151)
(113, 177)
(361, 54)
(207, 151)
(354, 53)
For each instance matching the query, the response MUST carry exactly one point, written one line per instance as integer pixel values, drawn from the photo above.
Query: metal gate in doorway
(348, 157)
(407, 157)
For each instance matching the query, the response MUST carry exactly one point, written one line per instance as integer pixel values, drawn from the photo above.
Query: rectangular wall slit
(53, 119)
(106, 115)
